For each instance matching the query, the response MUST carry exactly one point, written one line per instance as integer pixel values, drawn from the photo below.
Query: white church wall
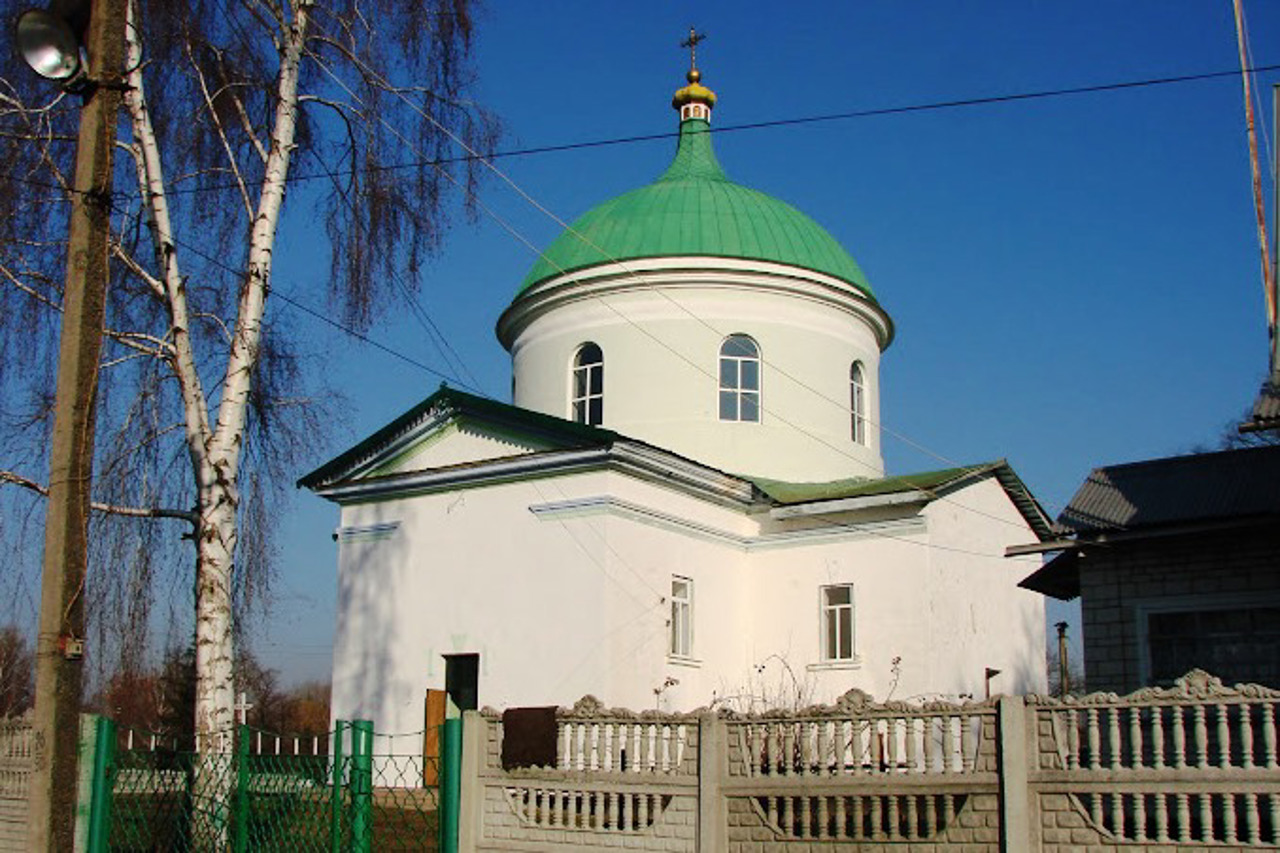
(986, 620)
(558, 603)
(934, 605)
(886, 574)
(572, 595)
(661, 380)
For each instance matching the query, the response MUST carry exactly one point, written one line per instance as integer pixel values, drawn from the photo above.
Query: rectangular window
(681, 617)
(1237, 644)
(837, 622)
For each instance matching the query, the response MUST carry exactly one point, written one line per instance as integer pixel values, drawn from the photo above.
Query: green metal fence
(351, 790)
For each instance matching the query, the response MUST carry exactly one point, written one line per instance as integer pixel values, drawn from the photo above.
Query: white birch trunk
(215, 451)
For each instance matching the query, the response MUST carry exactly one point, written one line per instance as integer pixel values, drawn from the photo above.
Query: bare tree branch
(15, 479)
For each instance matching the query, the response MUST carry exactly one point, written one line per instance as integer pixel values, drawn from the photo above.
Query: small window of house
(681, 617)
(1236, 642)
(739, 379)
(837, 623)
(858, 402)
(588, 385)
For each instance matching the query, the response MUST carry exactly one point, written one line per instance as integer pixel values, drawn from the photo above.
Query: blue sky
(1075, 280)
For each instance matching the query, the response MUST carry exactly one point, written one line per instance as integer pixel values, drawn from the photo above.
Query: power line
(904, 109)
(696, 365)
(447, 353)
(325, 318)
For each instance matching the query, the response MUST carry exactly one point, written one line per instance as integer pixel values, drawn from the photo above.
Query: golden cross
(692, 43)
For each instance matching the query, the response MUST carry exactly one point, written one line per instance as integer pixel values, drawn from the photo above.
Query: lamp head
(50, 46)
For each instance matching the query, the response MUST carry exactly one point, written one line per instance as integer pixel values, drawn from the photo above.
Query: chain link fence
(349, 790)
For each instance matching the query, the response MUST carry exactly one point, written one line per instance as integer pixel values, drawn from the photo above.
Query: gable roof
(448, 403)
(1179, 494)
(928, 485)
(1227, 484)
(559, 434)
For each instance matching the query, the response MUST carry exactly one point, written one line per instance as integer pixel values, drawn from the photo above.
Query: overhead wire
(903, 109)
(391, 351)
(695, 364)
(447, 353)
(472, 155)
(325, 318)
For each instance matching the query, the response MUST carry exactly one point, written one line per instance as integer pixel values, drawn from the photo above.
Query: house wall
(661, 346)
(1117, 583)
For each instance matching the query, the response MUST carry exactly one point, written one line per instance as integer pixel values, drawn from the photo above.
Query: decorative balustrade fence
(1194, 766)
(15, 775)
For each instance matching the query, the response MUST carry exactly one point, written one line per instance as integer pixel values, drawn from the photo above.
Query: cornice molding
(618, 507)
(691, 273)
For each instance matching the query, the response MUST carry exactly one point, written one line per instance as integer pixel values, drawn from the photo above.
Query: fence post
(242, 790)
(361, 786)
(713, 767)
(1015, 797)
(335, 798)
(475, 731)
(104, 754)
(450, 783)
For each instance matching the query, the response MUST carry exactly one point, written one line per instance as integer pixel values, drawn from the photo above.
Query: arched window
(588, 385)
(739, 379)
(858, 402)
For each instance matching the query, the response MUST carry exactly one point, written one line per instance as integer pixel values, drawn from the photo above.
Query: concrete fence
(15, 780)
(1190, 767)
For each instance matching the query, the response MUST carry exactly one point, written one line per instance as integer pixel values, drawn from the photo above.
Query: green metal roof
(929, 482)
(452, 402)
(693, 209)
(861, 487)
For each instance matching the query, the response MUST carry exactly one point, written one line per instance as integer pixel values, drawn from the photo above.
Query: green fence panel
(450, 784)
(336, 785)
(100, 798)
(405, 813)
(361, 785)
(358, 791)
(242, 805)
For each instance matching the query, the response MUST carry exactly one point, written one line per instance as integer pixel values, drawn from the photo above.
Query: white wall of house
(660, 324)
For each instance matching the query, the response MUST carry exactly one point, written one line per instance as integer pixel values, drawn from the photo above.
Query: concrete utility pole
(60, 642)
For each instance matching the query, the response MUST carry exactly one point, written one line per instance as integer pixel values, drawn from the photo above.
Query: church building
(686, 503)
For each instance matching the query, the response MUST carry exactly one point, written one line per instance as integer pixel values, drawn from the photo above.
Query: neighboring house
(686, 503)
(1177, 565)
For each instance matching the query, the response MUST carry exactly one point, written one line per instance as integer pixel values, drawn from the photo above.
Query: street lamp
(48, 45)
(52, 42)
(59, 44)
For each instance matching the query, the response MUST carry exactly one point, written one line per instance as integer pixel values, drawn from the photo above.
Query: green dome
(693, 209)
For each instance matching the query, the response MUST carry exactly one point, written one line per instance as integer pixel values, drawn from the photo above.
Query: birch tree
(350, 107)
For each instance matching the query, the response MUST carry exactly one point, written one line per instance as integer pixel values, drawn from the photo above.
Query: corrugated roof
(1198, 487)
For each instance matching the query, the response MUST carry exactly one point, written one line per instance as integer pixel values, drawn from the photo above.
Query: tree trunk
(215, 726)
